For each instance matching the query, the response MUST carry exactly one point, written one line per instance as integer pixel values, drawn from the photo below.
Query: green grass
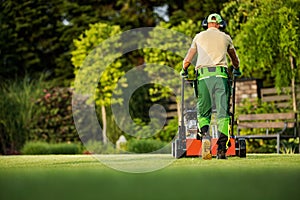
(84, 177)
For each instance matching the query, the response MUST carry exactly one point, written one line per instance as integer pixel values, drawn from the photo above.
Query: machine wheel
(242, 148)
(179, 148)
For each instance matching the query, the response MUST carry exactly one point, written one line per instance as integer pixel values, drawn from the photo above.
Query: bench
(278, 121)
(283, 99)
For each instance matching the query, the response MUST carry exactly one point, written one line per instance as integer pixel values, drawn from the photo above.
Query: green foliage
(290, 147)
(90, 60)
(35, 148)
(39, 148)
(30, 37)
(76, 18)
(97, 67)
(65, 148)
(136, 13)
(18, 108)
(97, 147)
(258, 107)
(142, 130)
(267, 37)
(147, 146)
(261, 146)
(178, 40)
(193, 9)
(140, 101)
(169, 132)
(54, 120)
(37, 36)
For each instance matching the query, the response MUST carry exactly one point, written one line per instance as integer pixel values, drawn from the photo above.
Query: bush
(40, 148)
(54, 122)
(169, 132)
(17, 102)
(65, 148)
(290, 147)
(98, 147)
(148, 146)
(35, 148)
(261, 146)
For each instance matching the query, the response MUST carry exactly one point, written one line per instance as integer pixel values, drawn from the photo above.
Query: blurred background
(43, 44)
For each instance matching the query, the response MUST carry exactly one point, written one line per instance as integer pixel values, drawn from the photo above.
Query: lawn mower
(189, 141)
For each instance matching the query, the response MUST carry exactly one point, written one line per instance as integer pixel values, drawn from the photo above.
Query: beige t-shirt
(212, 46)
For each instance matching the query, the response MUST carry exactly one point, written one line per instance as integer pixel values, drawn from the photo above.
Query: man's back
(212, 46)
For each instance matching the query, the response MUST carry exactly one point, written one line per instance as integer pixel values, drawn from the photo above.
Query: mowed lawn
(259, 176)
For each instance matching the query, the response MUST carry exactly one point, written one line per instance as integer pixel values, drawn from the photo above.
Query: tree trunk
(293, 84)
(104, 124)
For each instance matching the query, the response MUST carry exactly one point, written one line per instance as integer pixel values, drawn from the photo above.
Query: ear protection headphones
(223, 23)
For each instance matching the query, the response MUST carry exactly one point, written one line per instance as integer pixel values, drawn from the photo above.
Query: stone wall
(247, 89)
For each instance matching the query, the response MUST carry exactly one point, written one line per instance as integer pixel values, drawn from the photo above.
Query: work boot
(221, 154)
(206, 147)
(204, 130)
(222, 149)
(201, 132)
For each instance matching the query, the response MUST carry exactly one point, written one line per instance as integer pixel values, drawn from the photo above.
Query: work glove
(237, 72)
(184, 73)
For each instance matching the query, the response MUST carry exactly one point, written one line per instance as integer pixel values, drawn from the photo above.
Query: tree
(36, 36)
(183, 10)
(171, 48)
(267, 37)
(137, 13)
(77, 16)
(29, 41)
(90, 62)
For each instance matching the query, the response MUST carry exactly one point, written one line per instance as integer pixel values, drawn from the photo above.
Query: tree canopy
(90, 58)
(267, 37)
(37, 36)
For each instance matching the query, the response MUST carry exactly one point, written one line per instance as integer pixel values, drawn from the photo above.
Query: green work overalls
(213, 89)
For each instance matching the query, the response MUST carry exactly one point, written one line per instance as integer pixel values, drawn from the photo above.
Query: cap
(214, 18)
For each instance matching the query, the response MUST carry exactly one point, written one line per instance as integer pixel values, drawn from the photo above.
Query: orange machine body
(193, 147)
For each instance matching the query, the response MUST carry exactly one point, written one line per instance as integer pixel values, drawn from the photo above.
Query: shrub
(290, 146)
(147, 146)
(98, 147)
(35, 148)
(40, 148)
(261, 146)
(17, 102)
(65, 148)
(54, 122)
(169, 131)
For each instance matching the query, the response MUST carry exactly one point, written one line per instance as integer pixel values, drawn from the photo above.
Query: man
(212, 45)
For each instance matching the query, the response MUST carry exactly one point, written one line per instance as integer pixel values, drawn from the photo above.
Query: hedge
(148, 146)
(39, 148)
